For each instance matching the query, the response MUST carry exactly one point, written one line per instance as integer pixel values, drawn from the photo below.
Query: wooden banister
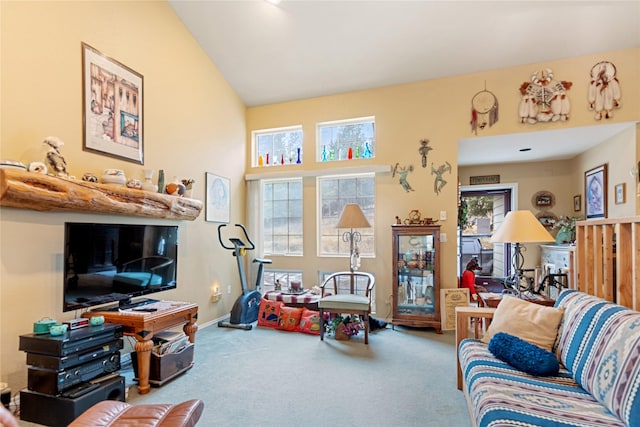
(608, 259)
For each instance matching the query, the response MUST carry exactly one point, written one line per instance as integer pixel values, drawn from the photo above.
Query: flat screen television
(105, 263)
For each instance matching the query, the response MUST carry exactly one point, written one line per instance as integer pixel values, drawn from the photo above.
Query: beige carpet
(266, 377)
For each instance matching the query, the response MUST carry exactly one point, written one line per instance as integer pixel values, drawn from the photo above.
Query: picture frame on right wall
(621, 193)
(595, 192)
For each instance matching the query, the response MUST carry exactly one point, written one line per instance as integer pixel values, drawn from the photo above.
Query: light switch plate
(443, 237)
(443, 215)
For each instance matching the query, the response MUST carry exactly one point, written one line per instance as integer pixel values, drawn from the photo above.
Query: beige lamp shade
(521, 227)
(352, 217)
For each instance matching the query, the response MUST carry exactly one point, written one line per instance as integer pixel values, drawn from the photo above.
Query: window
(333, 193)
(282, 216)
(284, 276)
(345, 139)
(276, 147)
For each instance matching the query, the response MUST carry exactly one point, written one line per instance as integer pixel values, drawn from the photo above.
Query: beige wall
(438, 110)
(193, 122)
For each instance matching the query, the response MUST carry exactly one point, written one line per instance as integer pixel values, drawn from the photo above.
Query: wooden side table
(144, 324)
(463, 317)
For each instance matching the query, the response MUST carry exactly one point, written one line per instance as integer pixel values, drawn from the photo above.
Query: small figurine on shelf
(188, 184)
(58, 165)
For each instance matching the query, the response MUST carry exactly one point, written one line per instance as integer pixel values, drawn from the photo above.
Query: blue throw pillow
(524, 356)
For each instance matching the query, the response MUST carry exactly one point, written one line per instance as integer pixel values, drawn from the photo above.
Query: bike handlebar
(246, 235)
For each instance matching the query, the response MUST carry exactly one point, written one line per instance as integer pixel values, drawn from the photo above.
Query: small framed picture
(577, 203)
(217, 198)
(621, 193)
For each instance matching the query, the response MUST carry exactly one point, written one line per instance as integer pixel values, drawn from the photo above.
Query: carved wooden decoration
(27, 190)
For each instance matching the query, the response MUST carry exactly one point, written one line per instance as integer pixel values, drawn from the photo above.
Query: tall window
(333, 193)
(346, 139)
(277, 147)
(282, 216)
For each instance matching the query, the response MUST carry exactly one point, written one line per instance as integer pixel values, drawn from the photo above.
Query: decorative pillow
(289, 318)
(309, 322)
(537, 324)
(521, 355)
(268, 313)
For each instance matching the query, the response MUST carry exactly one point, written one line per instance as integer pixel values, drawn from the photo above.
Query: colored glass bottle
(350, 153)
(299, 159)
(161, 181)
(324, 153)
(357, 152)
(282, 160)
(267, 159)
(367, 151)
(260, 161)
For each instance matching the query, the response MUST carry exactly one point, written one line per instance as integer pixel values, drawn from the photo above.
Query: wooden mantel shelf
(28, 190)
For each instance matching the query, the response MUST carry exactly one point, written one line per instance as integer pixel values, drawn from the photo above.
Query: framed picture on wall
(112, 100)
(577, 203)
(595, 191)
(621, 193)
(217, 198)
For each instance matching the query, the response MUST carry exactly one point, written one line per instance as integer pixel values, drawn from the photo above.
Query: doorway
(480, 208)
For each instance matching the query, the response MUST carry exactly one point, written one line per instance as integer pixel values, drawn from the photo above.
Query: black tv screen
(104, 263)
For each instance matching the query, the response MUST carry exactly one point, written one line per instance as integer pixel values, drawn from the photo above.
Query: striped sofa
(598, 346)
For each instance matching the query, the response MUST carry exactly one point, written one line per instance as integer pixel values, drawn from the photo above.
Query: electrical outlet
(443, 237)
(229, 289)
(443, 215)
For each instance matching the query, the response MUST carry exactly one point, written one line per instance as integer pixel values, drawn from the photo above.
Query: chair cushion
(344, 302)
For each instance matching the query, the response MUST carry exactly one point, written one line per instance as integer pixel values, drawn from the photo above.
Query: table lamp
(352, 217)
(520, 227)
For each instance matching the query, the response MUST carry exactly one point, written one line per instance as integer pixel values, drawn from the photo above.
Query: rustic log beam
(28, 190)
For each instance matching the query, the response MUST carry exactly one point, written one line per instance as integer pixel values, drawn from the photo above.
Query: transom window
(282, 216)
(277, 147)
(345, 139)
(334, 192)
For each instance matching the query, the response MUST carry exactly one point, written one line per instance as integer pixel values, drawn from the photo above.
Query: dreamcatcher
(604, 90)
(484, 110)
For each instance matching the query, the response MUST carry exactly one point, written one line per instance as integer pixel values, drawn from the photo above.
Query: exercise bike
(245, 309)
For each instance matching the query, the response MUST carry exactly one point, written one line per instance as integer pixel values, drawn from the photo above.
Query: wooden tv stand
(144, 324)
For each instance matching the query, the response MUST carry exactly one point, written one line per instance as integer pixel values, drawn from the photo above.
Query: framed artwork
(577, 203)
(112, 107)
(217, 198)
(621, 193)
(547, 219)
(543, 200)
(595, 190)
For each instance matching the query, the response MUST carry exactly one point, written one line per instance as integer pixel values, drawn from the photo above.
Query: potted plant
(344, 327)
(566, 230)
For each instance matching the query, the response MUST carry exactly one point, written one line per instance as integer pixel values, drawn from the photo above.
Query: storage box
(167, 366)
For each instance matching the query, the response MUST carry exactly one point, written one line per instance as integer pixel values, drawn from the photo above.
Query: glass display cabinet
(416, 276)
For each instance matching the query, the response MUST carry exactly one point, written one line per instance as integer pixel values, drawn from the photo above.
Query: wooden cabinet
(416, 276)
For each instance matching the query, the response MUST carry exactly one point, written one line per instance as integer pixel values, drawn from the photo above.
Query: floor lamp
(352, 217)
(520, 227)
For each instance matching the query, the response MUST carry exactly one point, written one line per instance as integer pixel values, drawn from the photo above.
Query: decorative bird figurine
(55, 159)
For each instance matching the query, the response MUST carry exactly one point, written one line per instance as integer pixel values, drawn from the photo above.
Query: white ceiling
(301, 49)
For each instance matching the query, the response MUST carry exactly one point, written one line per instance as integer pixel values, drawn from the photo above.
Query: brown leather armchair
(114, 413)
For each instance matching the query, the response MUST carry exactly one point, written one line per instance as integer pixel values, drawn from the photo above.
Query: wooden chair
(351, 294)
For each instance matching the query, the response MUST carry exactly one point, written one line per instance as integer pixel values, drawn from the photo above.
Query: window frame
(342, 155)
(255, 149)
(270, 252)
(319, 236)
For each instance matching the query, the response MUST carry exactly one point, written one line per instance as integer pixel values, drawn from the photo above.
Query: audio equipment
(60, 411)
(54, 362)
(55, 382)
(77, 323)
(77, 340)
